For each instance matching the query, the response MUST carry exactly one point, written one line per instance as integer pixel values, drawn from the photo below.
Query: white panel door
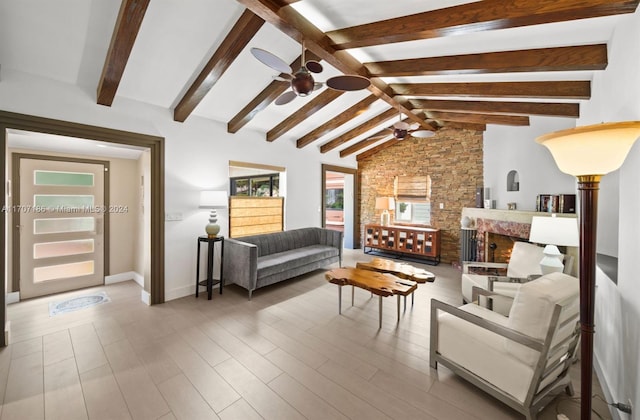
(61, 222)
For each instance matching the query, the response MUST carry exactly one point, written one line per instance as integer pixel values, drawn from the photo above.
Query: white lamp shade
(213, 199)
(385, 203)
(592, 150)
(560, 231)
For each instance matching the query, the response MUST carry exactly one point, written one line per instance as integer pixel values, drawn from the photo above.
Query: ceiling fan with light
(302, 81)
(402, 130)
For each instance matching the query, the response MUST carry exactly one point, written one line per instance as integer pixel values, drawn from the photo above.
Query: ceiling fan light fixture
(302, 83)
(400, 133)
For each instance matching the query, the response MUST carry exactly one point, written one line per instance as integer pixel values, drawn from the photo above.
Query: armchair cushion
(525, 260)
(533, 307)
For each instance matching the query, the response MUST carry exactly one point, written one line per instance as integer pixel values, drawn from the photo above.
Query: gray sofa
(260, 260)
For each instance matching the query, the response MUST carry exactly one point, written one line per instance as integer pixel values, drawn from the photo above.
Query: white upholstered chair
(523, 359)
(523, 266)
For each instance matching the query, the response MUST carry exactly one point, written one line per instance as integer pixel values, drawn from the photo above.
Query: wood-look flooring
(286, 354)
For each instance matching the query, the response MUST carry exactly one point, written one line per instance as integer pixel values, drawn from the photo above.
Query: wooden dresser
(417, 242)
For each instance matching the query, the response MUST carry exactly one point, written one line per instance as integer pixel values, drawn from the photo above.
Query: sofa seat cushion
(287, 260)
(482, 352)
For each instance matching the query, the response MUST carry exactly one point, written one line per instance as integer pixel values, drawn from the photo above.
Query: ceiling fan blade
(348, 82)
(282, 79)
(313, 66)
(270, 60)
(286, 97)
(401, 125)
(414, 126)
(423, 134)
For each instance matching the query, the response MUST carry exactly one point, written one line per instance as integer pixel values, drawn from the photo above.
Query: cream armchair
(523, 359)
(523, 266)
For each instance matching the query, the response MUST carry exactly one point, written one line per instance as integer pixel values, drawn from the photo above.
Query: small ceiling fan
(302, 81)
(401, 130)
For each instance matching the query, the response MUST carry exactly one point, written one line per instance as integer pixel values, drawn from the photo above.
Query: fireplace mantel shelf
(517, 216)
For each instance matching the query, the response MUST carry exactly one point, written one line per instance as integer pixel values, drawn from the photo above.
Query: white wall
(617, 339)
(514, 148)
(197, 156)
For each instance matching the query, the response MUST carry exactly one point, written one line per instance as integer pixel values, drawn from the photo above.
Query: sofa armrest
(241, 263)
(332, 238)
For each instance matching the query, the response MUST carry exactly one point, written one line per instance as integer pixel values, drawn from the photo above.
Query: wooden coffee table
(380, 284)
(398, 269)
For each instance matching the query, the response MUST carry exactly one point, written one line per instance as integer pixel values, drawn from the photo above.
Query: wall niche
(513, 181)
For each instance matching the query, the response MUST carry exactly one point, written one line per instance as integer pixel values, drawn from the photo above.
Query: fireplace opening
(499, 247)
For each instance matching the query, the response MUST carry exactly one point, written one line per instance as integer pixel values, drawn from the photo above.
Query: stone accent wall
(453, 160)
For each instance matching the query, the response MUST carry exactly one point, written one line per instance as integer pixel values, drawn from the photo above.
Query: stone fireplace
(504, 228)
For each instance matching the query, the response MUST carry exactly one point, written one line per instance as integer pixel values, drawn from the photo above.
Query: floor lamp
(588, 153)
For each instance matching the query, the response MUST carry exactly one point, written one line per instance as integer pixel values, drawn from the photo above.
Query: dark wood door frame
(356, 191)
(10, 120)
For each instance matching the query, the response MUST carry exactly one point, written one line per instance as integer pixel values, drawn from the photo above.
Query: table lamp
(588, 153)
(553, 232)
(385, 204)
(213, 200)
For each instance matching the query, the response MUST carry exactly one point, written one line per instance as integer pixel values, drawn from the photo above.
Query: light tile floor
(286, 354)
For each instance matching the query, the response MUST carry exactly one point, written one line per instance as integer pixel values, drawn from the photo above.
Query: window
(256, 186)
(413, 199)
(335, 198)
(412, 212)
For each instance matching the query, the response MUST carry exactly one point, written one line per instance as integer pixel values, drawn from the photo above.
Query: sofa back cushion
(272, 243)
(533, 308)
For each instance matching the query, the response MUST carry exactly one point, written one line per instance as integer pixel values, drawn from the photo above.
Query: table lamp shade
(385, 204)
(592, 150)
(559, 231)
(213, 200)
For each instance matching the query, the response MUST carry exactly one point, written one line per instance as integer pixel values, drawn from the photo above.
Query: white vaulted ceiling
(69, 41)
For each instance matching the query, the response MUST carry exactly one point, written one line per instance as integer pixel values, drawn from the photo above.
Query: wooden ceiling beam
(573, 58)
(500, 108)
(265, 98)
(359, 130)
(336, 121)
(236, 40)
(293, 24)
(311, 107)
(516, 120)
(124, 36)
(464, 126)
(475, 17)
(576, 89)
(378, 148)
(365, 143)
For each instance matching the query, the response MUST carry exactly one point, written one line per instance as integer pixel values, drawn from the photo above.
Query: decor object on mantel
(213, 200)
(553, 232)
(588, 153)
(385, 204)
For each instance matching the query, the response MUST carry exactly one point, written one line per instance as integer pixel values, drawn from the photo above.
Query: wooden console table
(419, 242)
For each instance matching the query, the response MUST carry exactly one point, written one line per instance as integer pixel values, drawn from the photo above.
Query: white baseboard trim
(606, 390)
(145, 297)
(126, 276)
(13, 297)
(7, 333)
(189, 290)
